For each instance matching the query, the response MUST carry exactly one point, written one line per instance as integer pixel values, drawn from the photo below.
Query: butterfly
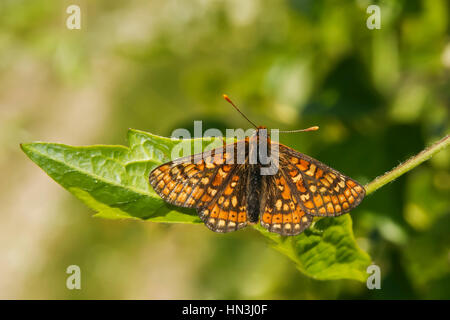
(230, 194)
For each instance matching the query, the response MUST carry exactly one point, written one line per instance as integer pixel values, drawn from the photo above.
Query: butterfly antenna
(302, 130)
(231, 102)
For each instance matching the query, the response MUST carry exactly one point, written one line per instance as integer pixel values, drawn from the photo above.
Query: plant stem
(411, 163)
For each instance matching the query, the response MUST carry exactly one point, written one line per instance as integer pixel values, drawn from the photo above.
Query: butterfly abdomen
(254, 193)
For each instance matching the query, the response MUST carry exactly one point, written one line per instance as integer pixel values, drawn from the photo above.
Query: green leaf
(113, 181)
(325, 251)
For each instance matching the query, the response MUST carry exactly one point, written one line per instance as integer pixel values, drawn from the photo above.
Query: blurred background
(379, 97)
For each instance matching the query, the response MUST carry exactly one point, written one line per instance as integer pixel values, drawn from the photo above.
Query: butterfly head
(262, 131)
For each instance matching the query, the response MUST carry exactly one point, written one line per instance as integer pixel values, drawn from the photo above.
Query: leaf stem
(411, 163)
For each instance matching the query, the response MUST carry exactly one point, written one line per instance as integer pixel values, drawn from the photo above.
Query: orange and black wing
(320, 190)
(211, 182)
(192, 181)
(281, 211)
(228, 210)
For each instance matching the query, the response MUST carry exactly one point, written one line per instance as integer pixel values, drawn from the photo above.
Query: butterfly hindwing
(321, 190)
(281, 211)
(228, 210)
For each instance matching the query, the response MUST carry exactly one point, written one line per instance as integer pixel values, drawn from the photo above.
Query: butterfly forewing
(321, 190)
(192, 181)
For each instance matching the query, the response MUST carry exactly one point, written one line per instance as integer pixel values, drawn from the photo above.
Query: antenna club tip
(226, 97)
(315, 128)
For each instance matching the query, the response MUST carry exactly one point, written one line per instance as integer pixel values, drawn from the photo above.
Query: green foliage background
(379, 97)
